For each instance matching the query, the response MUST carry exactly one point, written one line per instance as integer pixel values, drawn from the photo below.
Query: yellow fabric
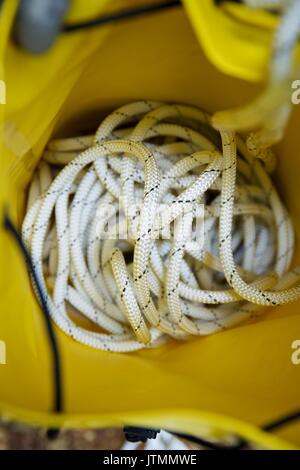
(206, 385)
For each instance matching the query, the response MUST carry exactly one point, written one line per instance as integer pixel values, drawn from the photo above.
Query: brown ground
(20, 437)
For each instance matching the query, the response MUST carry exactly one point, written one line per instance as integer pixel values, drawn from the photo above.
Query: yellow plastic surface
(236, 38)
(233, 381)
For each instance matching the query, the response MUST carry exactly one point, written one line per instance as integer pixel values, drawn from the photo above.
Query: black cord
(57, 376)
(120, 15)
(241, 443)
(287, 419)
(218, 2)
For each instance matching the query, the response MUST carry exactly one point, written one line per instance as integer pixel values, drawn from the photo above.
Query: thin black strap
(120, 15)
(282, 421)
(57, 375)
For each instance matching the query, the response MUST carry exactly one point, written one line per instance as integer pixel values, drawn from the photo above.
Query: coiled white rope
(153, 167)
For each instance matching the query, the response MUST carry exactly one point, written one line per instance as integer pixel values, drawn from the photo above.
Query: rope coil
(99, 209)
